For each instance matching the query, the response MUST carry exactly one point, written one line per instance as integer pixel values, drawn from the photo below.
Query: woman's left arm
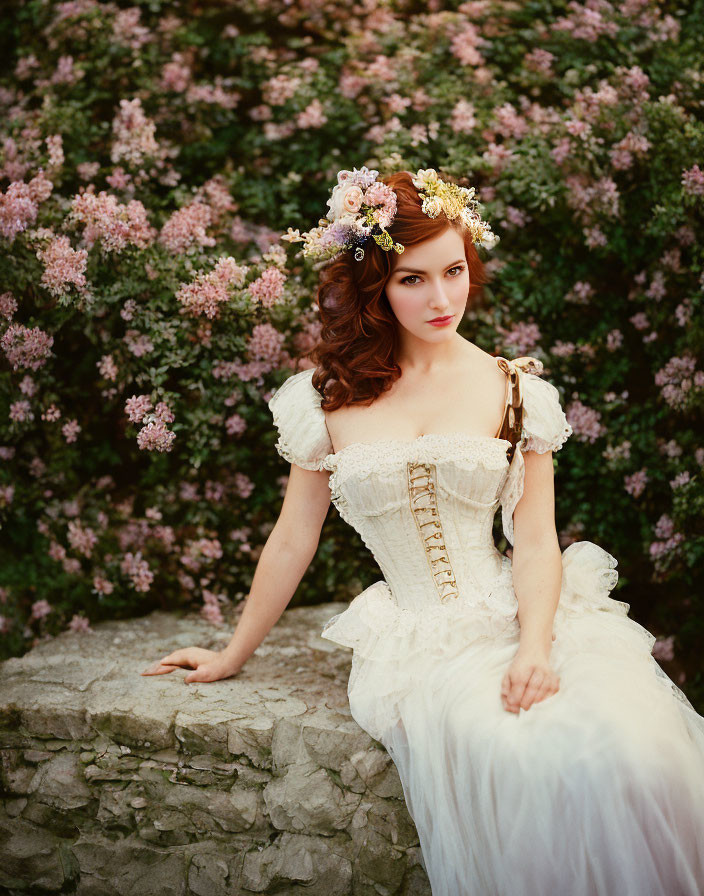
(536, 558)
(537, 579)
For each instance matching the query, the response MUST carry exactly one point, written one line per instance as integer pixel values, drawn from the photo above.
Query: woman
(540, 746)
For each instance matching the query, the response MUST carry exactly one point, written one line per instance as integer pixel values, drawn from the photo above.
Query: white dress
(597, 790)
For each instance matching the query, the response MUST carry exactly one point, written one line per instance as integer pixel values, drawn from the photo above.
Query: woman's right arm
(285, 557)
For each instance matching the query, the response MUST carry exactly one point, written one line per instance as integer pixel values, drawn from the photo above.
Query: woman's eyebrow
(411, 271)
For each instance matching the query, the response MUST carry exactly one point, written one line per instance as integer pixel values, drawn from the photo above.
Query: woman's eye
(457, 267)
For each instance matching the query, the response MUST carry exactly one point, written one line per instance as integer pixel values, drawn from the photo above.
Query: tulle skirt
(597, 790)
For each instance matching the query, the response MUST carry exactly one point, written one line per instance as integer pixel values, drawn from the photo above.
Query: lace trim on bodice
(365, 458)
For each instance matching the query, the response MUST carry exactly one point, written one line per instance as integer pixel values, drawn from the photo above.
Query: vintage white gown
(598, 790)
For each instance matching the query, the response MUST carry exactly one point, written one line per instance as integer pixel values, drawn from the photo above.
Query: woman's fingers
(186, 656)
(159, 668)
(522, 695)
(205, 665)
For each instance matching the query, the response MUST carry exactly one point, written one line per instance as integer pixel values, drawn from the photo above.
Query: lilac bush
(152, 159)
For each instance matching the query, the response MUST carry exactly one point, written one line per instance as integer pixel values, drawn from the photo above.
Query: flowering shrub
(151, 159)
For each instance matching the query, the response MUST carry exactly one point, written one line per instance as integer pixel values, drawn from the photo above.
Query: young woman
(540, 746)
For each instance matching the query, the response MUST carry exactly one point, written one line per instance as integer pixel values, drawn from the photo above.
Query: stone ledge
(116, 784)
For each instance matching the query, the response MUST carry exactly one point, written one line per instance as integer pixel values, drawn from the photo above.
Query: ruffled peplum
(395, 648)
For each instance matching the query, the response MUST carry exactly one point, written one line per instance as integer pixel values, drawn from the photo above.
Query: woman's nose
(439, 300)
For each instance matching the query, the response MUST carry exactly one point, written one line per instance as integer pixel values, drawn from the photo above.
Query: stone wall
(116, 783)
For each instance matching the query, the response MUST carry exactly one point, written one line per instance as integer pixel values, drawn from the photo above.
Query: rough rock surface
(116, 783)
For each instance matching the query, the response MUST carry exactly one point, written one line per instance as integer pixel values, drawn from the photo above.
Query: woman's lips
(441, 321)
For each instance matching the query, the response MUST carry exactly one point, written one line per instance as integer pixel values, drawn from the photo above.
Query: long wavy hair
(355, 356)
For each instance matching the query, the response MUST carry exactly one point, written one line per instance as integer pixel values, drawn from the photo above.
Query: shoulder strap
(512, 423)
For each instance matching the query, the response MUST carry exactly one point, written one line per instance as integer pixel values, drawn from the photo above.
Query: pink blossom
(116, 226)
(211, 607)
(20, 204)
(56, 551)
(87, 170)
(539, 60)
(134, 141)
(214, 491)
(243, 485)
(676, 379)
(155, 436)
(63, 266)
(683, 312)
(21, 411)
(235, 425)
(186, 228)
(312, 116)
(240, 534)
(657, 289)
(614, 340)
(82, 539)
(663, 649)
(26, 347)
(127, 31)
(208, 292)
(523, 337)
(563, 349)
(463, 120)
(8, 305)
(265, 343)
(636, 482)
(128, 310)
(37, 467)
(176, 75)
(207, 547)
(188, 491)
(40, 609)
(107, 368)
(28, 386)
(55, 150)
(7, 493)
(693, 181)
(664, 527)
(137, 407)
(585, 421)
(138, 343)
(622, 451)
(269, 287)
(640, 320)
(680, 479)
(79, 623)
(164, 413)
(119, 179)
(134, 566)
(70, 430)
(464, 45)
(594, 237)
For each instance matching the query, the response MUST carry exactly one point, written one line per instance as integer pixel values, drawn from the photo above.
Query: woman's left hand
(529, 679)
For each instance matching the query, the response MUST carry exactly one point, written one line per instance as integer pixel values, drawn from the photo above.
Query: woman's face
(430, 280)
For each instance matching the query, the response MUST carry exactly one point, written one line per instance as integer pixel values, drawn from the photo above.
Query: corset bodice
(425, 509)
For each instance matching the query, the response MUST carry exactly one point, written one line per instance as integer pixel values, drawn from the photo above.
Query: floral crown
(362, 208)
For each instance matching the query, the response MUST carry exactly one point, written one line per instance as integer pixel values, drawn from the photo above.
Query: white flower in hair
(361, 207)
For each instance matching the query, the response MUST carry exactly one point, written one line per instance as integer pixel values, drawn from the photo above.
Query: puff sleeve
(545, 428)
(300, 421)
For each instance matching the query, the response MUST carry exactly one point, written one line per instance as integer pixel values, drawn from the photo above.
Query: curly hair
(355, 356)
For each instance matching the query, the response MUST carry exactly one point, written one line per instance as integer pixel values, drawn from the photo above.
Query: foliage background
(152, 155)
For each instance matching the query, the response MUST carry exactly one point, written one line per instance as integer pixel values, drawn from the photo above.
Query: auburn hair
(355, 355)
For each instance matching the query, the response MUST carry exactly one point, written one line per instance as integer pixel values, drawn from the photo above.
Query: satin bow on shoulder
(512, 422)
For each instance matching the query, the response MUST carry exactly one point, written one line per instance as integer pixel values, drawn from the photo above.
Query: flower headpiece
(361, 208)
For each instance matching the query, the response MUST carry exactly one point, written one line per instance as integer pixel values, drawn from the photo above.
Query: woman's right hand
(207, 665)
